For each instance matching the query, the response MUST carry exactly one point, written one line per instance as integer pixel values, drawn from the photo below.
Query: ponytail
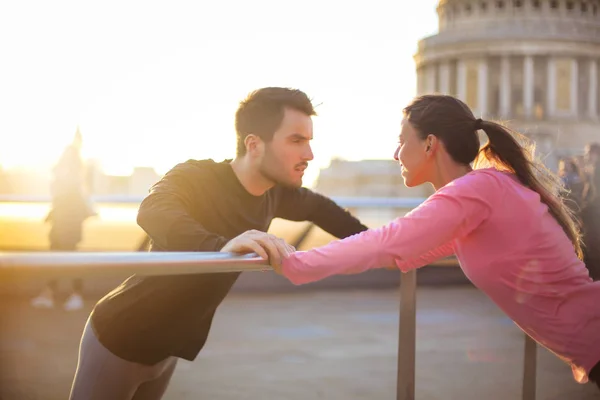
(504, 152)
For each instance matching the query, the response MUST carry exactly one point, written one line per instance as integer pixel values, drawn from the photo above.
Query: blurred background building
(533, 63)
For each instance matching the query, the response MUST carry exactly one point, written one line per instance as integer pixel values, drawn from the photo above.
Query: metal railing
(25, 265)
(371, 202)
(35, 265)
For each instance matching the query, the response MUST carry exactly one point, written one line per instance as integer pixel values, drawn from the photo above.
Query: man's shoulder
(197, 167)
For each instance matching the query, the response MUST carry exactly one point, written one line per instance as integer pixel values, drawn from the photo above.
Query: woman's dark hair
(453, 123)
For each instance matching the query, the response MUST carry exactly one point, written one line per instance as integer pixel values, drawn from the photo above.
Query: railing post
(407, 336)
(529, 368)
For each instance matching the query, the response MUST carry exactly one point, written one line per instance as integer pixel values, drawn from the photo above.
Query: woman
(514, 237)
(70, 208)
(574, 182)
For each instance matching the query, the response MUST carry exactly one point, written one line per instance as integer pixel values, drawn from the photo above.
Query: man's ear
(254, 145)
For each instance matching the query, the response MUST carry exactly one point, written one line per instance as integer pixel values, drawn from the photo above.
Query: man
(590, 211)
(137, 332)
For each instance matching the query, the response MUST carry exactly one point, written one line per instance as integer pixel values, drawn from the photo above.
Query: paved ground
(314, 345)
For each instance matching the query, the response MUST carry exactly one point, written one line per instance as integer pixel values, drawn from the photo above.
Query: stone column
(593, 93)
(420, 80)
(505, 88)
(430, 78)
(482, 87)
(528, 86)
(574, 87)
(444, 84)
(461, 80)
(551, 92)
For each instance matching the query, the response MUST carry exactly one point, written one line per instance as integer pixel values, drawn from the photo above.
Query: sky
(156, 83)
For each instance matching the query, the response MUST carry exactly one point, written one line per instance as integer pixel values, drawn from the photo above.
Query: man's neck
(250, 178)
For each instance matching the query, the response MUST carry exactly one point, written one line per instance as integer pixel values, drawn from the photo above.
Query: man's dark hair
(261, 112)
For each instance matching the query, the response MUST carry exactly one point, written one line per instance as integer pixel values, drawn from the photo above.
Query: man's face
(287, 155)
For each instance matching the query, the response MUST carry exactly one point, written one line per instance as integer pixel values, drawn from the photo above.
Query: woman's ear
(431, 143)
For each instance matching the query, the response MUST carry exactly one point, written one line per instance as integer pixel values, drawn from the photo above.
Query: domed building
(532, 63)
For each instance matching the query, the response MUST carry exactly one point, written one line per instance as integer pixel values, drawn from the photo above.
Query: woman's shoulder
(483, 179)
(482, 185)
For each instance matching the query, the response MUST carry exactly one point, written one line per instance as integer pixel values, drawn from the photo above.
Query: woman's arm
(445, 250)
(408, 242)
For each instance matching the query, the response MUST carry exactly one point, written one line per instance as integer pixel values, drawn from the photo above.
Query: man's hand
(267, 246)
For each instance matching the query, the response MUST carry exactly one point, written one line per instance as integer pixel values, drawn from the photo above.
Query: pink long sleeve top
(508, 245)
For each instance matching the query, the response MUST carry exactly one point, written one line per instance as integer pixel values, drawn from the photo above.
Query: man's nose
(308, 155)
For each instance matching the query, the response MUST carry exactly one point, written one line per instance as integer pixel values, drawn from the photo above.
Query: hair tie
(478, 124)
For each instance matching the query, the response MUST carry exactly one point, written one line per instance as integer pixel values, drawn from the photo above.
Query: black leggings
(594, 375)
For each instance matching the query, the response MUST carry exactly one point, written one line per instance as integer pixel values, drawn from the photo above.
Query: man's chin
(282, 179)
(291, 183)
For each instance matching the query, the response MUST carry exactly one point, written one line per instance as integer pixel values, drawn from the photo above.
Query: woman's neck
(447, 172)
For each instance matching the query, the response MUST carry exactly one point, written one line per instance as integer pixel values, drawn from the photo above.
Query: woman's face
(411, 153)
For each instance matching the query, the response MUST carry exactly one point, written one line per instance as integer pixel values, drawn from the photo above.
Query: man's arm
(302, 204)
(166, 214)
(167, 217)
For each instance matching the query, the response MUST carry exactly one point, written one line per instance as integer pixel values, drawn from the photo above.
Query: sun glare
(144, 96)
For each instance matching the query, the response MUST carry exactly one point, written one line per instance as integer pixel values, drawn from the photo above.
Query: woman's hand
(267, 246)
